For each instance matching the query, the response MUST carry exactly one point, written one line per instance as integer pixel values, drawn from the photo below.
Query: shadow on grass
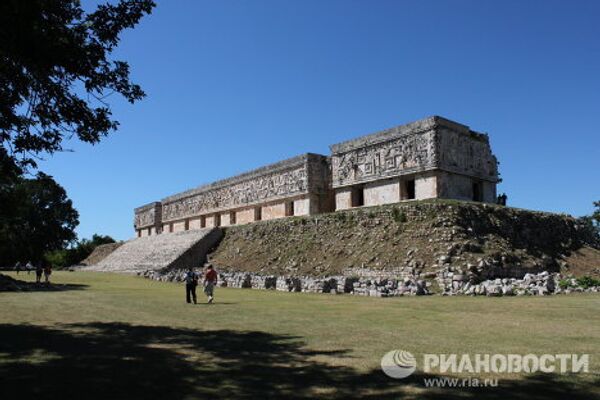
(117, 360)
(10, 284)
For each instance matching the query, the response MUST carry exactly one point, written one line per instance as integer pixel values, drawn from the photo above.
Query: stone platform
(161, 252)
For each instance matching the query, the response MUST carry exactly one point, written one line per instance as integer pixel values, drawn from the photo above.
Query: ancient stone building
(430, 158)
(296, 186)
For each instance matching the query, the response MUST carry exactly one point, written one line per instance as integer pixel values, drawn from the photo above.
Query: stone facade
(148, 219)
(430, 158)
(297, 186)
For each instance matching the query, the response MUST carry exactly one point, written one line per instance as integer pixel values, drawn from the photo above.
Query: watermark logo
(398, 364)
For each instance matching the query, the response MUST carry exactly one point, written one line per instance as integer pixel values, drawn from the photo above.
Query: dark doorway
(358, 197)
(477, 195)
(257, 214)
(409, 186)
(289, 209)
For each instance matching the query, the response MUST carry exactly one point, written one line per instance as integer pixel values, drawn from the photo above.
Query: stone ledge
(412, 128)
(147, 207)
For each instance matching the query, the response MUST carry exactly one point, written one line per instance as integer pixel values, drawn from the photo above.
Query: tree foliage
(596, 213)
(78, 252)
(56, 73)
(36, 217)
(591, 224)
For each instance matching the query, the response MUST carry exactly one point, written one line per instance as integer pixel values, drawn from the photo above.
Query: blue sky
(233, 85)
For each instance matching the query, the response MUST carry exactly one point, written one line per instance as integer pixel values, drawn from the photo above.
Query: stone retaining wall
(544, 283)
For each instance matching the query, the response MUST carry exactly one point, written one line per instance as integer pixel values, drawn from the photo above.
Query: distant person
(18, 267)
(502, 199)
(210, 280)
(47, 273)
(38, 272)
(191, 281)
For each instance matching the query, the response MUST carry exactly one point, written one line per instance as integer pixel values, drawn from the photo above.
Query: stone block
(343, 199)
(273, 211)
(195, 223)
(179, 226)
(385, 192)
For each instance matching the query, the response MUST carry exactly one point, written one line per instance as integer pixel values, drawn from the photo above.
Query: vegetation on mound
(421, 234)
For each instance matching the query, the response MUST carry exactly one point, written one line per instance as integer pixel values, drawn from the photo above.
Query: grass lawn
(115, 336)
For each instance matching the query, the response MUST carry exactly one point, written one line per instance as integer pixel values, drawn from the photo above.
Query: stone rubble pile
(543, 283)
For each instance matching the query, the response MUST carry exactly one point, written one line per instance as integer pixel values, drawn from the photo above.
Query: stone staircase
(161, 252)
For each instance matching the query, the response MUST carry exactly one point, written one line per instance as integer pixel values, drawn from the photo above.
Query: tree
(596, 214)
(36, 217)
(76, 253)
(56, 74)
(591, 225)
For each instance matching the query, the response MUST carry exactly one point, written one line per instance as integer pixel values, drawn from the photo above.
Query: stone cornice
(281, 166)
(147, 207)
(412, 128)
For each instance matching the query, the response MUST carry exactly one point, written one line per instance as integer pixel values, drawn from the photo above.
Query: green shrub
(564, 283)
(73, 255)
(340, 216)
(398, 216)
(587, 282)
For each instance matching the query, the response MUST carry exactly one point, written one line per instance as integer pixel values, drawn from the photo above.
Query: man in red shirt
(210, 280)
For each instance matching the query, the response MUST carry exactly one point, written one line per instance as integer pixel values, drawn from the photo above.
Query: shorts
(209, 288)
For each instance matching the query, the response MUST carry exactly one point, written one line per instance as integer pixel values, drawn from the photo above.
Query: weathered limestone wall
(465, 152)
(430, 158)
(426, 186)
(398, 151)
(246, 216)
(343, 199)
(179, 226)
(489, 192)
(460, 187)
(303, 206)
(211, 221)
(295, 177)
(226, 219)
(273, 211)
(195, 223)
(148, 217)
(421, 150)
(384, 192)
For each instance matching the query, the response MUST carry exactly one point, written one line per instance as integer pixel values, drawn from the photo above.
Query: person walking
(210, 280)
(29, 266)
(191, 281)
(38, 272)
(47, 273)
(18, 267)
